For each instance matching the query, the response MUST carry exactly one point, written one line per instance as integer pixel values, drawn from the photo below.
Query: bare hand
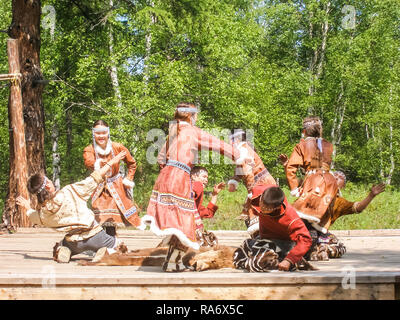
(22, 202)
(117, 158)
(218, 187)
(283, 158)
(250, 162)
(161, 165)
(375, 190)
(284, 265)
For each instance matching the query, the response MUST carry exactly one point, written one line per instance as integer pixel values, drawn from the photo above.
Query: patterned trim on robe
(118, 201)
(98, 191)
(198, 221)
(116, 196)
(260, 175)
(171, 199)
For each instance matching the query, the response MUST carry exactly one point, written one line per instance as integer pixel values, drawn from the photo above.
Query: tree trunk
(318, 54)
(325, 28)
(366, 123)
(336, 132)
(18, 169)
(311, 65)
(392, 164)
(25, 27)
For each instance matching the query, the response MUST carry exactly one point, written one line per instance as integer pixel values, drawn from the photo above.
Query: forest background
(256, 65)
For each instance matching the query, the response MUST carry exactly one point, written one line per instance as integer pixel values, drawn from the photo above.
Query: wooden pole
(18, 131)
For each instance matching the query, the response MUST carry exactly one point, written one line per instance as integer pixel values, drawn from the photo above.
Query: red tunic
(205, 212)
(286, 226)
(172, 208)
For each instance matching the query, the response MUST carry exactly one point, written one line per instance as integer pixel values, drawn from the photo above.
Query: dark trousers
(99, 240)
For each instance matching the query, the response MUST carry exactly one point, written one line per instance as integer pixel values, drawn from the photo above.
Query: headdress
(310, 122)
(97, 148)
(187, 109)
(237, 133)
(43, 185)
(340, 174)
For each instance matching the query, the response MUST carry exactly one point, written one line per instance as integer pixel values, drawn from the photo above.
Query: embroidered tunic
(252, 175)
(110, 201)
(319, 188)
(287, 226)
(172, 208)
(204, 212)
(68, 210)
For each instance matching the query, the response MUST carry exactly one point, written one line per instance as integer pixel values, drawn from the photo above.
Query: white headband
(312, 123)
(43, 185)
(191, 110)
(236, 134)
(106, 129)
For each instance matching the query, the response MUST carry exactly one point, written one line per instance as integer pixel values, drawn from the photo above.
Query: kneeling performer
(281, 226)
(66, 211)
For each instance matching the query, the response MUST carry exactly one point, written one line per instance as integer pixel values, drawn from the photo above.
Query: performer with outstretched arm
(66, 210)
(171, 208)
(250, 176)
(325, 244)
(112, 201)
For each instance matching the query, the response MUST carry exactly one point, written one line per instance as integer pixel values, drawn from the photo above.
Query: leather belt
(180, 165)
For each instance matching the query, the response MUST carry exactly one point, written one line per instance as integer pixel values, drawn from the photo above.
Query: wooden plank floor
(369, 270)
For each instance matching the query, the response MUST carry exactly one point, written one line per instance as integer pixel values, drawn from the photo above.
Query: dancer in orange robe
(171, 209)
(251, 175)
(112, 201)
(314, 155)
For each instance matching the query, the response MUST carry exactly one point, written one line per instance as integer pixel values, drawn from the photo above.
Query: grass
(382, 213)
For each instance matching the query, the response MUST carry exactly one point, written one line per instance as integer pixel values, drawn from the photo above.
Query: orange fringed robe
(110, 201)
(172, 208)
(252, 175)
(319, 187)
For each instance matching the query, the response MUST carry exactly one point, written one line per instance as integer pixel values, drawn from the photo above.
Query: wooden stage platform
(369, 270)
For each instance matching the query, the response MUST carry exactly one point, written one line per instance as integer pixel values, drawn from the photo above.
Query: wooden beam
(10, 76)
(188, 291)
(18, 129)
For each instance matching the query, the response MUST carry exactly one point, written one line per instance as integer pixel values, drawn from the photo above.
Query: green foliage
(382, 213)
